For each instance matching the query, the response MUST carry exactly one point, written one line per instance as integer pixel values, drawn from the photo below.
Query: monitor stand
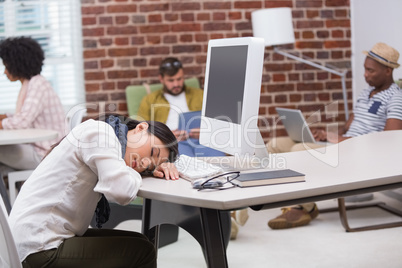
(259, 160)
(261, 151)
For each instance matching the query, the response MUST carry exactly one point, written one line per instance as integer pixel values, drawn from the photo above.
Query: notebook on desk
(268, 177)
(296, 125)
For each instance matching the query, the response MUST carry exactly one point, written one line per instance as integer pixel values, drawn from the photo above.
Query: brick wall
(124, 41)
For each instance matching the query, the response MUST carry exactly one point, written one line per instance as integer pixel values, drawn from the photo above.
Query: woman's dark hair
(158, 129)
(22, 56)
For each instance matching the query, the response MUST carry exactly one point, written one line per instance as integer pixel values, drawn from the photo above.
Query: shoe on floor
(240, 216)
(293, 217)
(314, 212)
(234, 230)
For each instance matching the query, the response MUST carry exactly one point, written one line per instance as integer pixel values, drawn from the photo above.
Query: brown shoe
(240, 216)
(234, 230)
(293, 217)
(314, 212)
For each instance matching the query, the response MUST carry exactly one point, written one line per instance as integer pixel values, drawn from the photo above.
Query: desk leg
(213, 238)
(148, 229)
(204, 225)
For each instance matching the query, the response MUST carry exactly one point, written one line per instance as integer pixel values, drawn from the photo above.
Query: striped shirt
(41, 108)
(371, 114)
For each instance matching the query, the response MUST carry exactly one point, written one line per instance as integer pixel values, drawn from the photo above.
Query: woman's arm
(2, 116)
(31, 107)
(100, 150)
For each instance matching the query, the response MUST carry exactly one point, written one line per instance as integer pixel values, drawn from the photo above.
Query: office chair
(8, 251)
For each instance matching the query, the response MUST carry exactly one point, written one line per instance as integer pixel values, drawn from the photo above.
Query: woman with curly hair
(38, 105)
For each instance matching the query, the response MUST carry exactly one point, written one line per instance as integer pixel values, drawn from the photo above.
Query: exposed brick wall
(124, 41)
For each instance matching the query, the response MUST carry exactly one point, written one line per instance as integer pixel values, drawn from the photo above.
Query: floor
(323, 243)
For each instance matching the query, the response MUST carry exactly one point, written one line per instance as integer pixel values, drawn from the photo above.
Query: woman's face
(144, 151)
(9, 76)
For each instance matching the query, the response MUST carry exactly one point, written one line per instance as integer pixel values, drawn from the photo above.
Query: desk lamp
(275, 26)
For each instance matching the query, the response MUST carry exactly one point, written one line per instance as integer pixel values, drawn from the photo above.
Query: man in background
(172, 99)
(378, 108)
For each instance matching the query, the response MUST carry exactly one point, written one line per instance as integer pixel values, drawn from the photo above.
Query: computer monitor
(231, 102)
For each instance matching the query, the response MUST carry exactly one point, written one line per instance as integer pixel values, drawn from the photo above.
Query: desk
(364, 164)
(18, 136)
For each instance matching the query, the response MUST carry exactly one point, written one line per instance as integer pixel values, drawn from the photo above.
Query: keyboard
(191, 168)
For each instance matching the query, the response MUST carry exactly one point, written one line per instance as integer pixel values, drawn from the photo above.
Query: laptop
(296, 125)
(189, 120)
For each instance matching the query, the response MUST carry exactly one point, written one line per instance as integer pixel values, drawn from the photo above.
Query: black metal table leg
(213, 238)
(205, 225)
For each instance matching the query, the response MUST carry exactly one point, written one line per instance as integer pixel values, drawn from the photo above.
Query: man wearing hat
(377, 108)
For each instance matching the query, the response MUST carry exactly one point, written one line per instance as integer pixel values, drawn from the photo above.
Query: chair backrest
(8, 251)
(16, 176)
(192, 82)
(134, 94)
(74, 116)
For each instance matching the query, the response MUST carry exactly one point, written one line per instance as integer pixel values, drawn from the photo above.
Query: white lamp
(276, 27)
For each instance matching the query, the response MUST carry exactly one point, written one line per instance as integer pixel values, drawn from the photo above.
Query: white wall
(374, 21)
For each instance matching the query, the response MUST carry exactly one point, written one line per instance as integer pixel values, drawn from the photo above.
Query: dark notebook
(268, 177)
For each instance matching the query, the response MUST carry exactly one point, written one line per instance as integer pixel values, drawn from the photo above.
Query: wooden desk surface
(366, 161)
(17, 136)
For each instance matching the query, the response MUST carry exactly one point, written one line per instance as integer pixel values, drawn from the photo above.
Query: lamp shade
(274, 25)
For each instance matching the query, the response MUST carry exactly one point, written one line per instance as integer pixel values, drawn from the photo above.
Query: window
(56, 25)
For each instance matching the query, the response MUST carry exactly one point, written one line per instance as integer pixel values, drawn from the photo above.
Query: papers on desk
(268, 177)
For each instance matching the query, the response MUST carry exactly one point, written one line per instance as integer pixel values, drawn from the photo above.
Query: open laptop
(296, 125)
(189, 120)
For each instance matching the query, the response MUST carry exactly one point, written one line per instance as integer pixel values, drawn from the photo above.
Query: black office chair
(119, 214)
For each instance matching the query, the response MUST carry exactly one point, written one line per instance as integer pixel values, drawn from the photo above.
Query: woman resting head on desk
(98, 160)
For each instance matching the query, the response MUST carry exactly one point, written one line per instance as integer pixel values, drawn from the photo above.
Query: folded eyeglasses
(220, 182)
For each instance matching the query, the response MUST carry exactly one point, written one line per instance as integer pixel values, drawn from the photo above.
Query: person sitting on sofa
(173, 98)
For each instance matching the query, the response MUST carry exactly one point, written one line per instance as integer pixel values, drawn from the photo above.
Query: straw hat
(384, 54)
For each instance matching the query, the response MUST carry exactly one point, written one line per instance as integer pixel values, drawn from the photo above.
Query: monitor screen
(232, 90)
(227, 74)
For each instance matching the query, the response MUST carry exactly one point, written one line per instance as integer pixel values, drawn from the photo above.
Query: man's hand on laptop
(181, 135)
(334, 137)
(194, 133)
(319, 134)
